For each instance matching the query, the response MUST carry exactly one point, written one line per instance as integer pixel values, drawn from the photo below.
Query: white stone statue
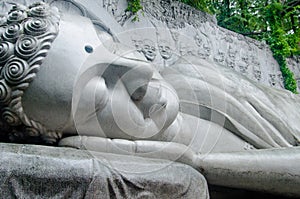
(61, 83)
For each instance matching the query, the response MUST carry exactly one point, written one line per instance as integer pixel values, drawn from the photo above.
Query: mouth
(150, 54)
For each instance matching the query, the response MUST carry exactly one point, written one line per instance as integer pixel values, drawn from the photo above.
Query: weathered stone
(293, 64)
(47, 172)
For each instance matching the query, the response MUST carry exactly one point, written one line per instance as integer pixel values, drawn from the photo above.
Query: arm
(272, 170)
(149, 149)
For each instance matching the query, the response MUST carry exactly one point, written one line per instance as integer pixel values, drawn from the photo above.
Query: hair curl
(26, 35)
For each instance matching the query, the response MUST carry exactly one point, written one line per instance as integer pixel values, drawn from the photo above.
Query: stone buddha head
(26, 37)
(49, 60)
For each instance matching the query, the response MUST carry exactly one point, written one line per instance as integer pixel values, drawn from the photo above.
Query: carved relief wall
(209, 41)
(194, 33)
(294, 65)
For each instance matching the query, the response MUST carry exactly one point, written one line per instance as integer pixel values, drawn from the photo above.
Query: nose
(160, 103)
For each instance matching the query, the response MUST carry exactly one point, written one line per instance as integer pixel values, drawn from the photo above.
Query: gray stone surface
(273, 170)
(293, 64)
(46, 172)
(256, 170)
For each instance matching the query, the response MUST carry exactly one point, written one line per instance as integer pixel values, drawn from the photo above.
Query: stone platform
(30, 171)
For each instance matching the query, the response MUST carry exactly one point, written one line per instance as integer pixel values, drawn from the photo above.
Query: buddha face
(149, 50)
(280, 79)
(272, 79)
(230, 63)
(257, 74)
(220, 56)
(165, 50)
(198, 40)
(207, 49)
(245, 58)
(138, 43)
(174, 34)
(243, 67)
(82, 80)
(201, 53)
(187, 49)
(231, 53)
(298, 83)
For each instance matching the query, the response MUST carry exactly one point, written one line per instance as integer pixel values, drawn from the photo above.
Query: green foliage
(134, 6)
(282, 49)
(275, 21)
(289, 80)
(283, 38)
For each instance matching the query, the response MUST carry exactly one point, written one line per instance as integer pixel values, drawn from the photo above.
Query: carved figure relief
(198, 40)
(272, 79)
(273, 64)
(137, 43)
(294, 64)
(207, 49)
(232, 53)
(228, 37)
(280, 79)
(185, 49)
(165, 49)
(240, 37)
(175, 34)
(231, 58)
(291, 64)
(257, 72)
(245, 58)
(230, 63)
(243, 67)
(123, 17)
(261, 45)
(149, 49)
(212, 29)
(298, 84)
(220, 57)
(204, 51)
(111, 6)
(254, 61)
(243, 63)
(154, 9)
(176, 14)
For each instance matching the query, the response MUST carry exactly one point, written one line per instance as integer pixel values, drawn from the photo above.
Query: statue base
(31, 171)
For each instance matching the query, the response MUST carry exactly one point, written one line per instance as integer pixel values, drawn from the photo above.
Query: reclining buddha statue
(61, 84)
